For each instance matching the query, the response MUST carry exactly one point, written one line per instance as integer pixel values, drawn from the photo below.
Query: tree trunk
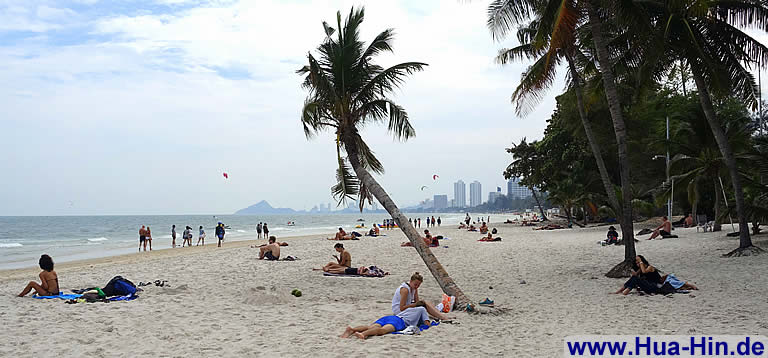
(596, 152)
(745, 242)
(568, 215)
(716, 226)
(695, 204)
(535, 197)
(620, 130)
(438, 271)
(586, 219)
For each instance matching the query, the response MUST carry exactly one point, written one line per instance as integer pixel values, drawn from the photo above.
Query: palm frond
(503, 15)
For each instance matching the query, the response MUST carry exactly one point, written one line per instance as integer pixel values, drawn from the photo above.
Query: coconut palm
(525, 165)
(347, 90)
(563, 17)
(708, 36)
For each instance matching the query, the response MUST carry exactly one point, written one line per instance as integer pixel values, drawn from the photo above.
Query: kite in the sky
(422, 188)
(434, 177)
(226, 175)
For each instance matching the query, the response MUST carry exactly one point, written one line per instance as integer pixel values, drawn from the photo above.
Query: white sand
(225, 302)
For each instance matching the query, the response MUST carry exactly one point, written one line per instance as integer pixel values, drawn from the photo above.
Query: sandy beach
(225, 302)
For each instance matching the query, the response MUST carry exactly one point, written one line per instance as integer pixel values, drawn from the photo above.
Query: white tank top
(396, 299)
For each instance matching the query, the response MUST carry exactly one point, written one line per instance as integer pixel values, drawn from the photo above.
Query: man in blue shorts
(411, 317)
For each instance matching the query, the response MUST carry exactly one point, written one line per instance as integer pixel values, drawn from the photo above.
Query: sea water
(66, 238)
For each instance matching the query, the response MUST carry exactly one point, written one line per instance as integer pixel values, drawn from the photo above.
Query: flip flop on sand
(486, 302)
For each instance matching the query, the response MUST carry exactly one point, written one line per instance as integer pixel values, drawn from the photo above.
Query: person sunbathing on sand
(49, 280)
(472, 228)
(462, 226)
(407, 298)
(344, 261)
(342, 235)
(490, 238)
(428, 240)
(271, 251)
(413, 317)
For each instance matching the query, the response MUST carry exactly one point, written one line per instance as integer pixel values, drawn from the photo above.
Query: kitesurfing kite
(422, 188)
(226, 175)
(434, 177)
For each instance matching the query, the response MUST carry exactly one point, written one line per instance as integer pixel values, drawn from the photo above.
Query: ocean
(67, 238)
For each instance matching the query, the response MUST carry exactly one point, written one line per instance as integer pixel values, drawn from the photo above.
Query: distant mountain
(263, 207)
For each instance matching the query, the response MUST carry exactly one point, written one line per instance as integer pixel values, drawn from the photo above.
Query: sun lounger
(702, 223)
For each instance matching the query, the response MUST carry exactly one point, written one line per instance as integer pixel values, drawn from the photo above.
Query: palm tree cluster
(632, 62)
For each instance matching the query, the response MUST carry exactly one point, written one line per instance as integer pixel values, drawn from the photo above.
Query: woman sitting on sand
(343, 261)
(407, 298)
(483, 228)
(645, 277)
(413, 317)
(49, 280)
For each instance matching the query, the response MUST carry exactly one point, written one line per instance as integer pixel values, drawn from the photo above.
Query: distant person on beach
(428, 240)
(201, 237)
(419, 222)
(265, 229)
(220, 233)
(142, 238)
(49, 280)
(271, 251)
(342, 235)
(467, 219)
(388, 324)
(427, 221)
(644, 278)
(184, 235)
(612, 237)
(689, 220)
(258, 230)
(376, 230)
(173, 236)
(149, 238)
(406, 297)
(665, 229)
(484, 228)
(410, 221)
(439, 221)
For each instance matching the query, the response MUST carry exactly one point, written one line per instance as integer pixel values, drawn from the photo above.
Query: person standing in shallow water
(201, 237)
(220, 233)
(142, 238)
(439, 221)
(173, 236)
(258, 231)
(149, 239)
(265, 230)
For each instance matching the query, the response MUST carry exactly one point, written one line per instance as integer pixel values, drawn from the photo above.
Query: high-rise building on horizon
(492, 196)
(475, 194)
(515, 190)
(441, 201)
(460, 194)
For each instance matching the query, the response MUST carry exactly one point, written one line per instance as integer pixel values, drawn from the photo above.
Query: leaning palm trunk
(611, 93)
(541, 209)
(434, 266)
(607, 185)
(745, 242)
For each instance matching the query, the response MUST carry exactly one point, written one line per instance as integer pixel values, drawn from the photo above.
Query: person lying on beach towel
(428, 240)
(371, 271)
(49, 280)
(549, 227)
(271, 251)
(388, 324)
(342, 235)
(490, 238)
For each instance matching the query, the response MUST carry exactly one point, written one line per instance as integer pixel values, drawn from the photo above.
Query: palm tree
(525, 166)
(564, 17)
(707, 35)
(347, 91)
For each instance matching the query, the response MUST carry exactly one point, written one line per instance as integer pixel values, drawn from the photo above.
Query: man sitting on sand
(412, 317)
(472, 228)
(665, 229)
(484, 228)
(428, 240)
(271, 251)
(342, 235)
(689, 220)
(462, 225)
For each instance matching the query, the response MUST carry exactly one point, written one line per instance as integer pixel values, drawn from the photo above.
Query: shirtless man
(343, 262)
(271, 251)
(388, 324)
(143, 238)
(689, 221)
(664, 229)
(342, 235)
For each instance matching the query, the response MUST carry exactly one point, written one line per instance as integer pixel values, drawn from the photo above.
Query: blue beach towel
(61, 295)
(130, 297)
(674, 281)
(422, 327)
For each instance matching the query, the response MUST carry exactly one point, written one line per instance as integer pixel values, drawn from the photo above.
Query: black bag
(116, 287)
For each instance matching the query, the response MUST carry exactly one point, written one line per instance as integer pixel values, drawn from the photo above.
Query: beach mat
(61, 295)
(346, 275)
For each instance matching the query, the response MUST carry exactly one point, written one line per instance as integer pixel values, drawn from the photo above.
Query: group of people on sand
(416, 222)
(186, 236)
(407, 310)
(647, 279)
(342, 235)
(145, 235)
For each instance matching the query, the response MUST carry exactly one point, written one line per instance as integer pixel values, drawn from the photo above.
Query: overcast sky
(137, 107)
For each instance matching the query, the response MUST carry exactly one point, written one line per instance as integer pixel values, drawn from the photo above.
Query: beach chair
(702, 223)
